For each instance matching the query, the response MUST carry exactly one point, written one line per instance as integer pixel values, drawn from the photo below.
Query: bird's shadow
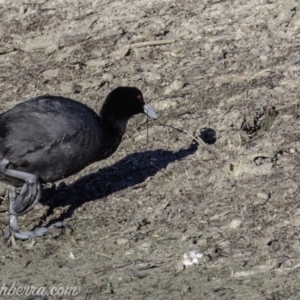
(129, 171)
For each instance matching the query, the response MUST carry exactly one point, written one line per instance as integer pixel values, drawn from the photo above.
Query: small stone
(50, 74)
(263, 57)
(191, 258)
(80, 209)
(57, 211)
(174, 86)
(178, 84)
(263, 196)
(166, 104)
(179, 267)
(122, 241)
(22, 10)
(152, 77)
(108, 77)
(202, 242)
(234, 224)
(292, 150)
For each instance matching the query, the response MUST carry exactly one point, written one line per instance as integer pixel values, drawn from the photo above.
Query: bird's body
(48, 138)
(54, 137)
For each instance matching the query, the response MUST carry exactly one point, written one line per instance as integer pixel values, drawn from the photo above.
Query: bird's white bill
(149, 111)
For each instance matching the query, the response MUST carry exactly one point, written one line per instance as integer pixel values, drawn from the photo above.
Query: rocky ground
(226, 72)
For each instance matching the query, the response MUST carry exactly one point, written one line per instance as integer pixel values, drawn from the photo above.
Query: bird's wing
(42, 123)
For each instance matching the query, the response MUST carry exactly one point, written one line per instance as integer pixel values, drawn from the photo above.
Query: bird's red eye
(140, 97)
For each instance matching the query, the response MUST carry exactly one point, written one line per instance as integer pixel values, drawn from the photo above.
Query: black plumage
(54, 137)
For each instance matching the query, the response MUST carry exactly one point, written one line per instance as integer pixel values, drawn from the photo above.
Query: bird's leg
(30, 193)
(25, 202)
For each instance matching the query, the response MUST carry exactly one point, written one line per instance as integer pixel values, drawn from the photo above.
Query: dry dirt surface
(165, 217)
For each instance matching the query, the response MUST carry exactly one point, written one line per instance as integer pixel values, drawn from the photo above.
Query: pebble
(202, 242)
(263, 196)
(108, 77)
(122, 241)
(174, 86)
(236, 223)
(50, 73)
(191, 258)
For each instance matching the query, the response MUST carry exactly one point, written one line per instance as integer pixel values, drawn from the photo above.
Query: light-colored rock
(174, 86)
(50, 73)
(236, 223)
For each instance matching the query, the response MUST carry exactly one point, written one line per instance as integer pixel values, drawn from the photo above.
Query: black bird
(48, 138)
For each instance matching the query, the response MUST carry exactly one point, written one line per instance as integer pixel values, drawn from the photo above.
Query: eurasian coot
(49, 138)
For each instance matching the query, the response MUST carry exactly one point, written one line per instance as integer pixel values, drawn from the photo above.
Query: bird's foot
(37, 232)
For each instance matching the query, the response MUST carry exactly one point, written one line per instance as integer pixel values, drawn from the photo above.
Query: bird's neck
(110, 137)
(116, 126)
